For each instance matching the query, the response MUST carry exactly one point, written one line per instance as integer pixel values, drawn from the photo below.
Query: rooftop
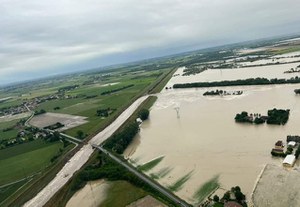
(289, 159)
(232, 204)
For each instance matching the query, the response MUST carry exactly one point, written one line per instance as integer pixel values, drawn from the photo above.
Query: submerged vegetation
(222, 93)
(207, 188)
(240, 82)
(275, 116)
(178, 185)
(151, 164)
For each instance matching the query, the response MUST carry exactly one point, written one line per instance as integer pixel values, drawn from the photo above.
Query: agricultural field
(88, 99)
(12, 132)
(26, 159)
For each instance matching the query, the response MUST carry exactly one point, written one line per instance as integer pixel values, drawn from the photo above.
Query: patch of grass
(122, 193)
(161, 173)
(289, 49)
(9, 190)
(8, 134)
(151, 164)
(176, 186)
(218, 205)
(62, 103)
(22, 148)
(206, 188)
(26, 162)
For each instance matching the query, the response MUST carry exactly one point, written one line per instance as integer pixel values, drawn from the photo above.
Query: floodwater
(205, 139)
(91, 195)
(271, 71)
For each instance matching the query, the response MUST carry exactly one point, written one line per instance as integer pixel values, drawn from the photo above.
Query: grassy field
(11, 133)
(85, 106)
(122, 193)
(5, 192)
(25, 159)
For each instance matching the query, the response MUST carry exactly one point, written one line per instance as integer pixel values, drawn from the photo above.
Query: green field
(26, 159)
(122, 193)
(11, 133)
(82, 105)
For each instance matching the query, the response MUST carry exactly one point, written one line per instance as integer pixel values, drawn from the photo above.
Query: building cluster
(286, 151)
(31, 104)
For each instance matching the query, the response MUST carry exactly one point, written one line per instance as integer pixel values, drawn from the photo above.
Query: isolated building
(279, 144)
(289, 161)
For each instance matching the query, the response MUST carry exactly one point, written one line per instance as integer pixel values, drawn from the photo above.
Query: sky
(40, 38)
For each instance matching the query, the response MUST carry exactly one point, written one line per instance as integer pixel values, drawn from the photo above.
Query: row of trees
(249, 81)
(120, 141)
(116, 90)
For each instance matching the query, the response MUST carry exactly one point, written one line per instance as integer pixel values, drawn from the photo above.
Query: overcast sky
(39, 37)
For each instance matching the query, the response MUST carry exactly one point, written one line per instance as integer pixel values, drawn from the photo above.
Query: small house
(279, 144)
(289, 161)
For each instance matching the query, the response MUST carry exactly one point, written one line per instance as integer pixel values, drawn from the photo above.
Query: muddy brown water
(207, 141)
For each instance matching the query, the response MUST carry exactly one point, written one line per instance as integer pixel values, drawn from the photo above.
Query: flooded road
(205, 141)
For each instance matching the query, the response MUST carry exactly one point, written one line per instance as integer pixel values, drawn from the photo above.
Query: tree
(80, 134)
(216, 198)
(144, 114)
(226, 196)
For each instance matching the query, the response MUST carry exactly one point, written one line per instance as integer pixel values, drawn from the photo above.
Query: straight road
(80, 158)
(145, 178)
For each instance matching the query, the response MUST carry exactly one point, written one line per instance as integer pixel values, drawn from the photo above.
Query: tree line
(239, 82)
(116, 90)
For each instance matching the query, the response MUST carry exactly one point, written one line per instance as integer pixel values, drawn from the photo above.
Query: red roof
(232, 204)
(279, 143)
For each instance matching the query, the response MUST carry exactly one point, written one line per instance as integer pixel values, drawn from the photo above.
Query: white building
(289, 161)
(292, 144)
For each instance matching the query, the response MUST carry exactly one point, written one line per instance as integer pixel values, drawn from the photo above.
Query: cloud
(54, 36)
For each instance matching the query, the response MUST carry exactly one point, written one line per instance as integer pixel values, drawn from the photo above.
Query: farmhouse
(279, 144)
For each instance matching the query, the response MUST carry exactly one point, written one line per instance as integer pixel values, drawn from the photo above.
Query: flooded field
(203, 142)
(91, 195)
(272, 71)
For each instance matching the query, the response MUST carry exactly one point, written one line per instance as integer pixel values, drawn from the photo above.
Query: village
(32, 104)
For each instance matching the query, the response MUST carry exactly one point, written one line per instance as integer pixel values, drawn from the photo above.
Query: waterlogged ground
(204, 146)
(271, 71)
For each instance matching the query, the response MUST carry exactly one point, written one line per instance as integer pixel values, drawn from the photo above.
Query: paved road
(145, 178)
(80, 158)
